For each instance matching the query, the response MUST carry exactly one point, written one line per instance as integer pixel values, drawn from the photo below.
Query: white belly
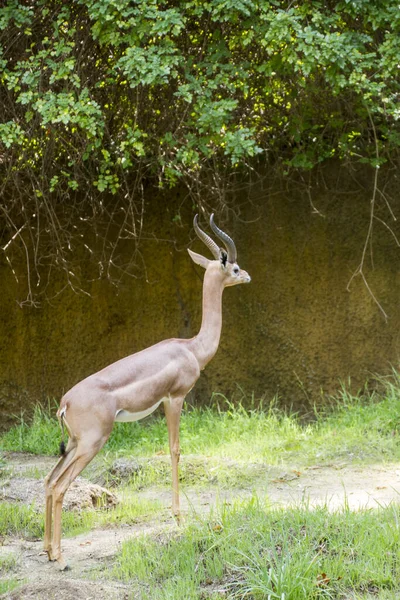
(124, 416)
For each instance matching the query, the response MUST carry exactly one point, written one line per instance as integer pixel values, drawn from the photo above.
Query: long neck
(205, 343)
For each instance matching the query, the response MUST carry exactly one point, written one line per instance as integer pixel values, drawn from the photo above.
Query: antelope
(133, 387)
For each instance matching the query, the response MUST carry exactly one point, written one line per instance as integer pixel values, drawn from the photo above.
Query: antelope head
(225, 258)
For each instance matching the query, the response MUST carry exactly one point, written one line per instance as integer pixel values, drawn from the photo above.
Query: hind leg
(85, 451)
(60, 465)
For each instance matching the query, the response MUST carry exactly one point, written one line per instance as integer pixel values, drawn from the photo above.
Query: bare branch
(368, 239)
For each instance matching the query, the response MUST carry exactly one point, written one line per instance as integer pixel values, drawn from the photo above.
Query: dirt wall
(294, 331)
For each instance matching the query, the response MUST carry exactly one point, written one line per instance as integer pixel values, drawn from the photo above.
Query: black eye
(236, 270)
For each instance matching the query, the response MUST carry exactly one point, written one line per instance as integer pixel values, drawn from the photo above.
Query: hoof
(49, 553)
(62, 565)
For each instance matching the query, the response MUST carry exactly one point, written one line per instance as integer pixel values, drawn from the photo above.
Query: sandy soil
(336, 486)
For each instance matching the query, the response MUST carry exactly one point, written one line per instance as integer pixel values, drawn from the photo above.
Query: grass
(27, 521)
(131, 509)
(194, 471)
(363, 428)
(8, 562)
(17, 519)
(8, 585)
(250, 550)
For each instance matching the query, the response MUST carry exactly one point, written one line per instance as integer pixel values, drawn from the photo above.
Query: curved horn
(211, 245)
(229, 243)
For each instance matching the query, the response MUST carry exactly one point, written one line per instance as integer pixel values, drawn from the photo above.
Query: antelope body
(133, 387)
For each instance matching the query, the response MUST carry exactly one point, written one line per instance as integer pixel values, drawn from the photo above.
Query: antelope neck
(205, 343)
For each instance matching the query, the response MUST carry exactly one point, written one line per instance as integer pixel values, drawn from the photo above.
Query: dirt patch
(67, 590)
(80, 495)
(86, 553)
(20, 461)
(336, 486)
(357, 487)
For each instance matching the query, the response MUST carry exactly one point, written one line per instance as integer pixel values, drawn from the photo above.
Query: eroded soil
(87, 554)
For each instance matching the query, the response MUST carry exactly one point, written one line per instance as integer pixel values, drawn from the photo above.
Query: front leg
(173, 409)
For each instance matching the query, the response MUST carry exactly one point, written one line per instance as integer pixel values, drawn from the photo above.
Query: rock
(83, 494)
(124, 468)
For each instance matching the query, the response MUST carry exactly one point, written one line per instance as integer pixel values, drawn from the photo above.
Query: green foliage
(99, 96)
(226, 78)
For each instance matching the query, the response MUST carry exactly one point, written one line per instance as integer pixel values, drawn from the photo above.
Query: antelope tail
(62, 443)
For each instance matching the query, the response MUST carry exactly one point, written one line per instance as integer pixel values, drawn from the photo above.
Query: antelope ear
(223, 257)
(199, 259)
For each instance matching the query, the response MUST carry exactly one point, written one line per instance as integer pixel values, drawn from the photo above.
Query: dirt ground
(358, 487)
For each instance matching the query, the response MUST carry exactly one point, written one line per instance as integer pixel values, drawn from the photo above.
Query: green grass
(361, 428)
(250, 550)
(27, 521)
(8, 562)
(247, 550)
(194, 471)
(40, 434)
(8, 585)
(130, 510)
